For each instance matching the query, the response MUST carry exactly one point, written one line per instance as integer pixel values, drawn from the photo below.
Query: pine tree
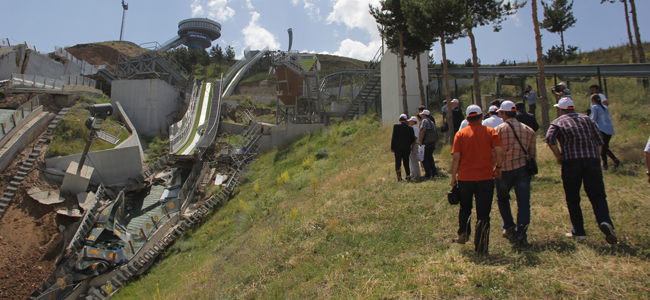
(541, 74)
(216, 54)
(392, 27)
(558, 17)
(230, 53)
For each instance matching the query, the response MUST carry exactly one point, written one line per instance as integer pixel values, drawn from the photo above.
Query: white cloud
(249, 5)
(358, 50)
(354, 14)
(312, 11)
(219, 10)
(257, 37)
(197, 8)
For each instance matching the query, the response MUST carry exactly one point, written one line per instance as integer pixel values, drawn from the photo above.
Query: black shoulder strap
(516, 137)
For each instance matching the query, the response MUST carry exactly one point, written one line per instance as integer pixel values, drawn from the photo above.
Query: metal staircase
(370, 92)
(152, 64)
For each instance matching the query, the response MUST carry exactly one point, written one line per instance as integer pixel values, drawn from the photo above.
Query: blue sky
(341, 27)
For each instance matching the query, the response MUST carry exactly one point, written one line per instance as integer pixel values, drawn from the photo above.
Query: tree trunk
(401, 65)
(477, 88)
(445, 67)
(541, 75)
(422, 98)
(639, 43)
(629, 33)
(563, 48)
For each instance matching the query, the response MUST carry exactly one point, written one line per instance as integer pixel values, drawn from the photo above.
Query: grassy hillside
(341, 227)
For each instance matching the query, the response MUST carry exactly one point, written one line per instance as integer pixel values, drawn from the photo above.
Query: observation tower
(194, 32)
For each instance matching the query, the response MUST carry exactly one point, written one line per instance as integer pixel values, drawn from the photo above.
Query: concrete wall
(134, 139)
(391, 85)
(151, 104)
(231, 128)
(281, 135)
(25, 136)
(8, 64)
(42, 65)
(112, 167)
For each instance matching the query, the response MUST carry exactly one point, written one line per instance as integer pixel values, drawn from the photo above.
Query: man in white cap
(560, 91)
(581, 143)
(518, 141)
(494, 120)
(401, 144)
(414, 162)
(473, 169)
(428, 138)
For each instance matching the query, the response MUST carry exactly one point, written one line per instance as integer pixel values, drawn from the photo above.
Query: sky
(339, 27)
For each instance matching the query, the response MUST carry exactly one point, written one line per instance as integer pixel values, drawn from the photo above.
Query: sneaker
(573, 236)
(604, 168)
(462, 239)
(608, 230)
(617, 163)
(509, 233)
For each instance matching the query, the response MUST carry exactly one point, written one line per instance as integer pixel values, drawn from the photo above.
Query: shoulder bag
(531, 164)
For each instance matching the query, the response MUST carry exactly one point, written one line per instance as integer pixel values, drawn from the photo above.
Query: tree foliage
(558, 17)
(230, 53)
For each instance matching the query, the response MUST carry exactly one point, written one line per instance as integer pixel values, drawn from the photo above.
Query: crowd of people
(495, 152)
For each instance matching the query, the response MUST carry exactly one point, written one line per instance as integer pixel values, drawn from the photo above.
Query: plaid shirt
(514, 156)
(578, 135)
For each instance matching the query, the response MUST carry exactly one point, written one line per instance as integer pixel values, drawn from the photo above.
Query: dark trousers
(606, 152)
(482, 191)
(531, 108)
(402, 156)
(428, 163)
(520, 181)
(587, 171)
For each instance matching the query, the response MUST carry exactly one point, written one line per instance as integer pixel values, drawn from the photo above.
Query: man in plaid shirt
(514, 173)
(581, 146)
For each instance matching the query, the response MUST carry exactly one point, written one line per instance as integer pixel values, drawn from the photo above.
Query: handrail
(18, 115)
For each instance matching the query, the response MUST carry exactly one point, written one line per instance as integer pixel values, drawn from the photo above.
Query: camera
(101, 111)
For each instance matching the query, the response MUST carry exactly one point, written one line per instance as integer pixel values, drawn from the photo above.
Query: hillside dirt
(104, 53)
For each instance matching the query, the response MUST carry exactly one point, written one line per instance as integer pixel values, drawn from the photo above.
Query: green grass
(71, 133)
(156, 149)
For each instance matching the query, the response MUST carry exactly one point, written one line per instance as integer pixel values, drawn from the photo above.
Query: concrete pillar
(76, 183)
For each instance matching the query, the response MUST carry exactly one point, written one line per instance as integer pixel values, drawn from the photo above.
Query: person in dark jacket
(457, 114)
(401, 144)
(525, 117)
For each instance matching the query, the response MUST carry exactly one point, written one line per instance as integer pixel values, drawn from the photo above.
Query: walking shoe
(608, 230)
(462, 239)
(604, 168)
(521, 242)
(573, 236)
(616, 163)
(509, 234)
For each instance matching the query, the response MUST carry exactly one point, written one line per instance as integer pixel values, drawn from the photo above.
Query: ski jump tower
(298, 88)
(195, 32)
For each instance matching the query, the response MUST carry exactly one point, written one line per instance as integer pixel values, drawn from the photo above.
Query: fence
(178, 132)
(86, 67)
(8, 122)
(35, 81)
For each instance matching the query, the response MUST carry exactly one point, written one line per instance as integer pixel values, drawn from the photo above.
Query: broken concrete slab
(75, 213)
(220, 179)
(85, 200)
(45, 197)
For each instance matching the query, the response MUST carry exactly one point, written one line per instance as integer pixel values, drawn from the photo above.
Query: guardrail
(178, 132)
(86, 67)
(9, 123)
(35, 81)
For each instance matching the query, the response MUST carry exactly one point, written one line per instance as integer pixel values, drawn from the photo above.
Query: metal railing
(8, 123)
(178, 132)
(230, 86)
(86, 67)
(40, 82)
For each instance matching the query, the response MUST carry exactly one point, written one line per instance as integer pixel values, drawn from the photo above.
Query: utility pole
(125, 7)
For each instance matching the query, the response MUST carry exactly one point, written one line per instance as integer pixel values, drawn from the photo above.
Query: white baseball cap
(473, 110)
(444, 101)
(454, 101)
(426, 112)
(493, 108)
(562, 84)
(403, 116)
(565, 103)
(414, 119)
(508, 106)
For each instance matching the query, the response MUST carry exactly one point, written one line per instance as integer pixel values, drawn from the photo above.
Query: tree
(392, 26)
(481, 13)
(541, 74)
(216, 54)
(230, 53)
(558, 17)
(443, 20)
(629, 31)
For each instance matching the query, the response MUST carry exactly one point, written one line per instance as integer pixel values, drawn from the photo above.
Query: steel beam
(615, 70)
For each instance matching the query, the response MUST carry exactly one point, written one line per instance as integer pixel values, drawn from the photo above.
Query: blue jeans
(520, 180)
(587, 171)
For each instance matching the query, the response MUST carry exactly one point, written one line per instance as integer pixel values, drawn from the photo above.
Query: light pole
(125, 7)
